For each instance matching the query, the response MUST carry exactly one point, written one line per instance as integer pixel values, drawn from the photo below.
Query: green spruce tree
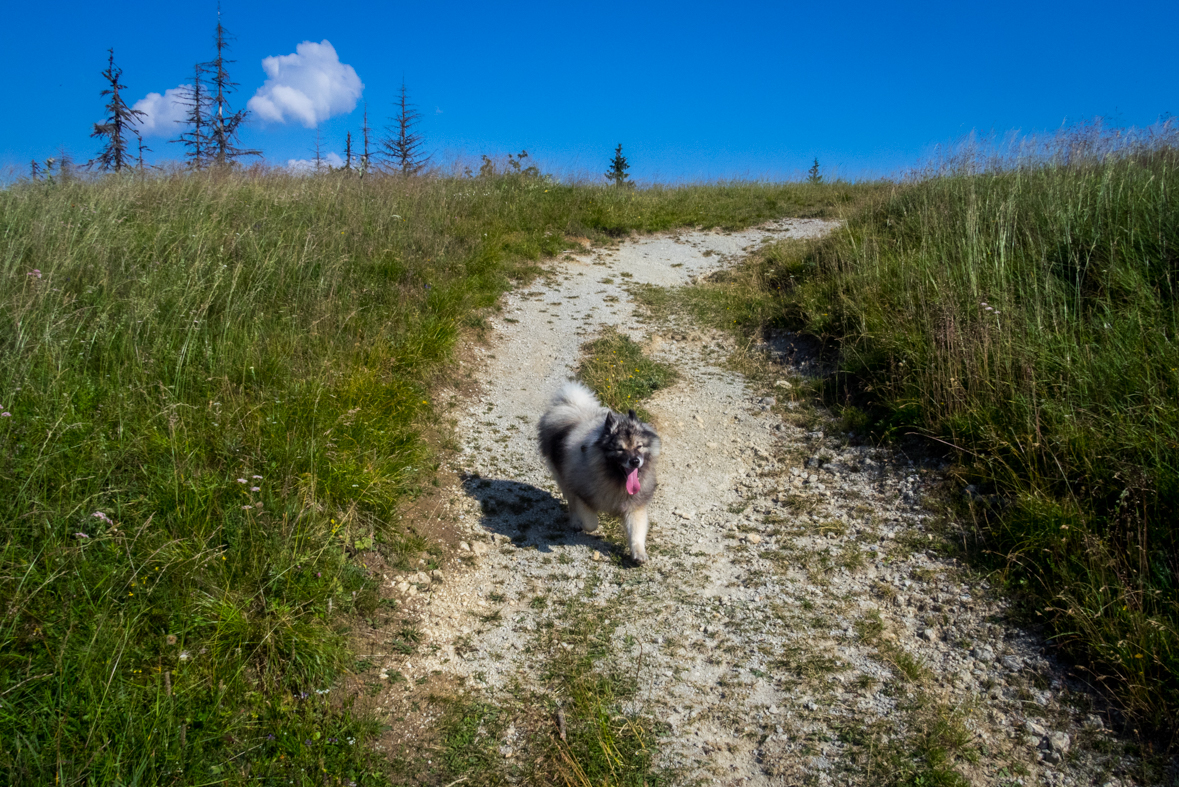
(618, 167)
(812, 176)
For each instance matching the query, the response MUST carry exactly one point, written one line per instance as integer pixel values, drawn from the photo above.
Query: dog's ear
(631, 415)
(611, 423)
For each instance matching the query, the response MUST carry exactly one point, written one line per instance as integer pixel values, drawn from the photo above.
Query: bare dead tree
(224, 123)
(120, 122)
(348, 152)
(366, 130)
(196, 138)
(142, 149)
(35, 170)
(64, 163)
(318, 156)
(403, 147)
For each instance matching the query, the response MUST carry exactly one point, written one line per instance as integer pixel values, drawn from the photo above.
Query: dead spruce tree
(120, 122)
(196, 138)
(320, 163)
(366, 132)
(403, 146)
(65, 165)
(142, 149)
(618, 167)
(224, 123)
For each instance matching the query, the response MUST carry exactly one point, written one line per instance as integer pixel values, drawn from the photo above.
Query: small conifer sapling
(812, 176)
(618, 167)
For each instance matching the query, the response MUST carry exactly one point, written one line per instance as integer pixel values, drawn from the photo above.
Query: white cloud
(309, 86)
(162, 112)
(308, 165)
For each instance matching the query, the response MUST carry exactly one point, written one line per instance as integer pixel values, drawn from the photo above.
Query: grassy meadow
(1022, 313)
(214, 396)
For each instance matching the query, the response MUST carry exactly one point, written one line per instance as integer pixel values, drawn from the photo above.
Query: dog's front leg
(581, 515)
(636, 533)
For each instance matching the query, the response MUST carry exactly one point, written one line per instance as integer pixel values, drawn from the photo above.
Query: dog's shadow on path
(527, 515)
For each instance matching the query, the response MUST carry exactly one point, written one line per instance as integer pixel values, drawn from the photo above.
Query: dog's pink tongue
(632, 482)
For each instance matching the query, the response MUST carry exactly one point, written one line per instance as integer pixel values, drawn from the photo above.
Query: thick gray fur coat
(591, 451)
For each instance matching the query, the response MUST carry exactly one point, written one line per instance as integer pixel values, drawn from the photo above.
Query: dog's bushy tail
(572, 404)
(577, 397)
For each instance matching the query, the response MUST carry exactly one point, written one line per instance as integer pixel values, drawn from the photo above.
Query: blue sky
(693, 91)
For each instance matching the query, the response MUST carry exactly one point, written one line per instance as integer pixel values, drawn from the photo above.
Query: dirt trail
(792, 625)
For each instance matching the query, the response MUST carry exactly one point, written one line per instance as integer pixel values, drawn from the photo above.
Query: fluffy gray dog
(602, 461)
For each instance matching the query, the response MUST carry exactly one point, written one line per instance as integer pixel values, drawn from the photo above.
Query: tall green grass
(1026, 315)
(213, 389)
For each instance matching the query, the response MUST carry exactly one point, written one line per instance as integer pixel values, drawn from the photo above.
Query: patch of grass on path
(592, 742)
(571, 732)
(622, 376)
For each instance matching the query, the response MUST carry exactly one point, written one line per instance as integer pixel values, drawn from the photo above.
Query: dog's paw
(639, 555)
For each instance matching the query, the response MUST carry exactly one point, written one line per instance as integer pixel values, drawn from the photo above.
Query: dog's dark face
(627, 443)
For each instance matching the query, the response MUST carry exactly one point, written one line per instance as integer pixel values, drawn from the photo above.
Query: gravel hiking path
(793, 625)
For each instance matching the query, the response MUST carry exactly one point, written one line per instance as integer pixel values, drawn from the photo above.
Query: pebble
(1059, 742)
